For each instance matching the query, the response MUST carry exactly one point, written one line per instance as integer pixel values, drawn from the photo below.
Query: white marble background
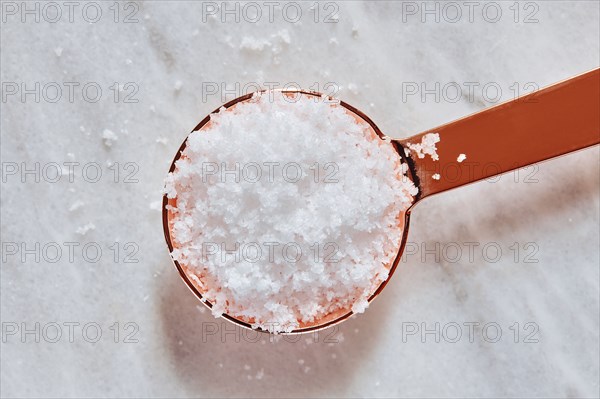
(374, 50)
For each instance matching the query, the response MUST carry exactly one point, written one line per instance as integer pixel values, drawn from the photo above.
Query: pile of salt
(287, 210)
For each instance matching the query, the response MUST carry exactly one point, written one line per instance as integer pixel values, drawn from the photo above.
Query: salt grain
(260, 374)
(436, 176)
(109, 137)
(359, 213)
(156, 205)
(461, 158)
(85, 228)
(76, 205)
(427, 146)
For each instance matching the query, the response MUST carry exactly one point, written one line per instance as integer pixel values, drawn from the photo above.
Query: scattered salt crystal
(353, 88)
(70, 155)
(201, 309)
(436, 176)
(76, 205)
(334, 41)
(284, 36)
(260, 374)
(220, 365)
(58, 51)
(128, 61)
(358, 213)
(426, 146)
(152, 108)
(252, 44)
(109, 137)
(156, 205)
(247, 367)
(300, 361)
(461, 158)
(275, 42)
(178, 85)
(85, 228)
(162, 140)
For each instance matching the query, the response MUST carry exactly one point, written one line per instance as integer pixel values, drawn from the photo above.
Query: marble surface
(541, 290)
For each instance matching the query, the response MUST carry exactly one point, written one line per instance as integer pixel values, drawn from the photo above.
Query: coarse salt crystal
(260, 374)
(85, 228)
(461, 158)
(436, 176)
(426, 146)
(76, 205)
(109, 137)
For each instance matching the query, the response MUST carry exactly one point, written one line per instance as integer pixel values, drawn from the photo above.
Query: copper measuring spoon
(554, 121)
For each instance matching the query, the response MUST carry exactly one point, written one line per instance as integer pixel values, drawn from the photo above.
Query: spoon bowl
(193, 281)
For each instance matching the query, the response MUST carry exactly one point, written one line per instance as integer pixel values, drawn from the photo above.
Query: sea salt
(76, 205)
(343, 222)
(427, 146)
(109, 137)
(260, 374)
(461, 158)
(436, 176)
(82, 230)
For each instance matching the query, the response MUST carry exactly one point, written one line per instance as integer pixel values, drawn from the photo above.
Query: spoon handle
(554, 121)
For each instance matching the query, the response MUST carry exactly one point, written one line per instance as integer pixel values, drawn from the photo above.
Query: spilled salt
(76, 205)
(268, 239)
(426, 146)
(109, 137)
(85, 228)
